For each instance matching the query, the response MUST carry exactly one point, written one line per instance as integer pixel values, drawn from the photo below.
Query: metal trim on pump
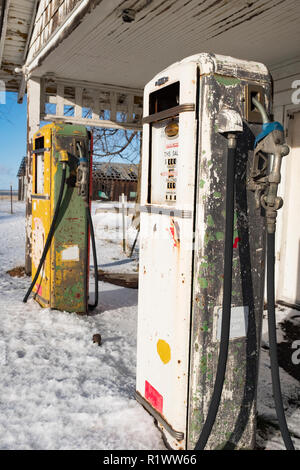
(183, 108)
(179, 436)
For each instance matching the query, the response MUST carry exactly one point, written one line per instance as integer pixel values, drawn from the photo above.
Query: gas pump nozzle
(82, 174)
(82, 182)
(270, 142)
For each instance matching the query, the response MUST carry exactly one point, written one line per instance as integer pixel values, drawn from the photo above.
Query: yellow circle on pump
(164, 351)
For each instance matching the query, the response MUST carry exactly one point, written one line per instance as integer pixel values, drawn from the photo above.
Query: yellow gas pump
(61, 220)
(202, 250)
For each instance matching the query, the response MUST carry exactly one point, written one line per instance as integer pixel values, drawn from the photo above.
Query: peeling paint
(227, 81)
(236, 412)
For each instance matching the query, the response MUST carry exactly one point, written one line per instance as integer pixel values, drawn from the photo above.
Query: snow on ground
(59, 390)
(108, 233)
(268, 434)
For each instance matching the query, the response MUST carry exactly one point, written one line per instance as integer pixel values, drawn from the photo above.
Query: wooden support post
(11, 200)
(113, 106)
(130, 108)
(78, 102)
(123, 221)
(95, 105)
(33, 124)
(60, 96)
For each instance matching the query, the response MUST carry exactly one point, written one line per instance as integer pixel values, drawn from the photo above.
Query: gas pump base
(183, 192)
(63, 281)
(164, 424)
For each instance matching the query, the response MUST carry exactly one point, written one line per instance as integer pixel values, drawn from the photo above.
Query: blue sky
(12, 139)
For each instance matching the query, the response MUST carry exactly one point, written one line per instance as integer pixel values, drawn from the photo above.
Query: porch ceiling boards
(100, 47)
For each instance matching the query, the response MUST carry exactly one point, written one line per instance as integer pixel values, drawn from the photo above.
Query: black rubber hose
(94, 305)
(273, 343)
(134, 243)
(226, 306)
(50, 233)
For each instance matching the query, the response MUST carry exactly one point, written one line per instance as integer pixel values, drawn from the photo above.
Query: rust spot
(97, 339)
(4, 62)
(18, 271)
(10, 72)
(22, 35)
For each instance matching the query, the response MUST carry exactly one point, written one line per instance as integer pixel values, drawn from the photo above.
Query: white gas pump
(195, 111)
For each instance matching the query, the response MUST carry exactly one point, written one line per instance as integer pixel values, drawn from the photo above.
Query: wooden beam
(33, 124)
(4, 28)
(78, 102)
(93, 122)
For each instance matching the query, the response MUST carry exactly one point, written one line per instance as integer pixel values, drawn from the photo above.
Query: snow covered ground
(108, 234)
(59, 390)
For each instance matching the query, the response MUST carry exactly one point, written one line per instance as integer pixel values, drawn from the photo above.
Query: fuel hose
(272, 319)
(89, 217)
(273, 343)
(50, 233)
(92, 233)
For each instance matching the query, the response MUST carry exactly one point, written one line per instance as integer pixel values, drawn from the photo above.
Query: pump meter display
(164, 166)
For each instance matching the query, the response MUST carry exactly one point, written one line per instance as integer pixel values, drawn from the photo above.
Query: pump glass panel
(164, 161)
(39, 144)
(165, 98)
(39, 168)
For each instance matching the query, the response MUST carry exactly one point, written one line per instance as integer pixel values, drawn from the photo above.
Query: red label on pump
(153, 397)
(236, 241)
(39, 289)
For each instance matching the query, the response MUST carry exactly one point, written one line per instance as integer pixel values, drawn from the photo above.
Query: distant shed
(110, 180)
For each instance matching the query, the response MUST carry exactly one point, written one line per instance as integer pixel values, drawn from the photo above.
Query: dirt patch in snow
(18, 271)
(129, 280)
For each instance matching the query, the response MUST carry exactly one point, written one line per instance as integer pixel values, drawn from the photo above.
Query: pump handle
(261, 109)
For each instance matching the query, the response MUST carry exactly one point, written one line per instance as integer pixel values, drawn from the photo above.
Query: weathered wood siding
(50, 16)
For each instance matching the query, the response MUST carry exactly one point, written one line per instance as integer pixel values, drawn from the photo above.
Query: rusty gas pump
(202, 249)
(61, 218)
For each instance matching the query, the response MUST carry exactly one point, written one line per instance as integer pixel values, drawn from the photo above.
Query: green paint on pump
(227, 81)
(210, 221)
(203, 283)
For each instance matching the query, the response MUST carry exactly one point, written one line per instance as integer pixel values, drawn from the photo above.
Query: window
(39, 166)
(165, 98)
